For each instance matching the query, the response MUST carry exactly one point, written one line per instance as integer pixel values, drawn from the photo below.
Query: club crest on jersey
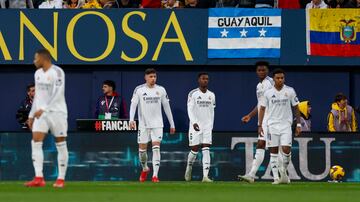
(209, 98)
(286, 94)
(157, 93)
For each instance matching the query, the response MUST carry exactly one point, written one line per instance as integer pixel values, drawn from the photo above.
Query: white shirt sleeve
(190, 109)
(133, 106)
(264, 101)
(166, 105)
(213, 111)
(294, 99)
(57, 91)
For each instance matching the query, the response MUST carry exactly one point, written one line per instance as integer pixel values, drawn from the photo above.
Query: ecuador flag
(333, 32)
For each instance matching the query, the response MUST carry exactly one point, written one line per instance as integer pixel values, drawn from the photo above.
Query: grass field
(181, 191)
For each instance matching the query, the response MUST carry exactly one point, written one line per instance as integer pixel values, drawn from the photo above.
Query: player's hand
(172, 131)
(260, 131)
(30, 122)
(38, 113)
(196, 127)
(132, 125)
(246, 119)
(297, 131)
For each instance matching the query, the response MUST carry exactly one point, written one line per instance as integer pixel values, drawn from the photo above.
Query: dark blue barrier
(135, 37)
(114, 157)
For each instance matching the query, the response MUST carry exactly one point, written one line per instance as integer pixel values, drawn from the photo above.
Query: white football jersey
(149, 102)
(49, 91)
(200, 108)
(279, 106)
(261, 88)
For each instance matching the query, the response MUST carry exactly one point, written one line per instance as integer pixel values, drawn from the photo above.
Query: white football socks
(37, 157)
(143, 159)
(206, 161)
(274, 162)
(63, 157)
(286, 158)
(259, 158)
(191, 158)
(156, 160)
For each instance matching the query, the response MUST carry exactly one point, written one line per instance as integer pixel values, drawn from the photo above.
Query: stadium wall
(114, 157)
(234, 88)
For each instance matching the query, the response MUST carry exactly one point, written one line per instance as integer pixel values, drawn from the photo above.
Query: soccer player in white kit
(48, 112)
(200, 107)
(279, 102)
(265, 83)
(148, 99)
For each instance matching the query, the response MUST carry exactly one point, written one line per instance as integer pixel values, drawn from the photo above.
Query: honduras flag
(244, 33)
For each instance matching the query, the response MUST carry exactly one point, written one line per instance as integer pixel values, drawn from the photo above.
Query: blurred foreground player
(48, 112)
(148, 99)
(200, 107)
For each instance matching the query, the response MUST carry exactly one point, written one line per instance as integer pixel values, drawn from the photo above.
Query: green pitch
(181, 191)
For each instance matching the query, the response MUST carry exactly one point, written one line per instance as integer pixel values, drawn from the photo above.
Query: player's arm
(212, 112)
(191, 115)
(261, 119)
(252, 114)
(134, 102)
(166, 105)
(32, 114)
(331, 127)
(295, 104)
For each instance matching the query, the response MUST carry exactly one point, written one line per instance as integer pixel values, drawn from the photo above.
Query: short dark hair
(262, 63)
(278, 71)
(30, 85)
(110, 83)
(44, 52)
(150, 71)
(202, 73)
(339, 97)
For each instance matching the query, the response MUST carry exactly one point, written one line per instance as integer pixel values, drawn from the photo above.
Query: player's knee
(60, 139)
(260, 144)
(38, 137)
(155, 144)
(206, 146)
(286, 149)
(143, 147)
(195, 148)
(274, 150)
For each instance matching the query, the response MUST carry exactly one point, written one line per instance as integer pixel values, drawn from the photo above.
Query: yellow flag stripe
(332, 20)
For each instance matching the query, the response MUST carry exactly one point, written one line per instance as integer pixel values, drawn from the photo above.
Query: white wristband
(298, 125)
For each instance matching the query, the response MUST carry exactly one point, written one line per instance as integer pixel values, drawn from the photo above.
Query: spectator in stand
(110, 105)
(206, 3)
(150, 4)
(342, 116)
(336, 3)
(170, 4)
(109, 3)
(92, 4)
(22, 113)
(289, 4)
(73, 4)
(22, 4)
(51, 4)
(352, 4)
(305, 116)
(129, 3)
(316, 4)
(246, 3)
(264, 4)
(191, 4)
(227, 3)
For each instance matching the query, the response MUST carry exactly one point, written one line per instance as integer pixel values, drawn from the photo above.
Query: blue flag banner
(244, 33)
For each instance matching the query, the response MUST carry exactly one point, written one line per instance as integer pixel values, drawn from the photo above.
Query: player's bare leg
(190, 161)
(38, 159)
(143, 160)
(285, 153)
(63, 158)
(258, 159)
(156, 161)
(206, 162)
(274, 163)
